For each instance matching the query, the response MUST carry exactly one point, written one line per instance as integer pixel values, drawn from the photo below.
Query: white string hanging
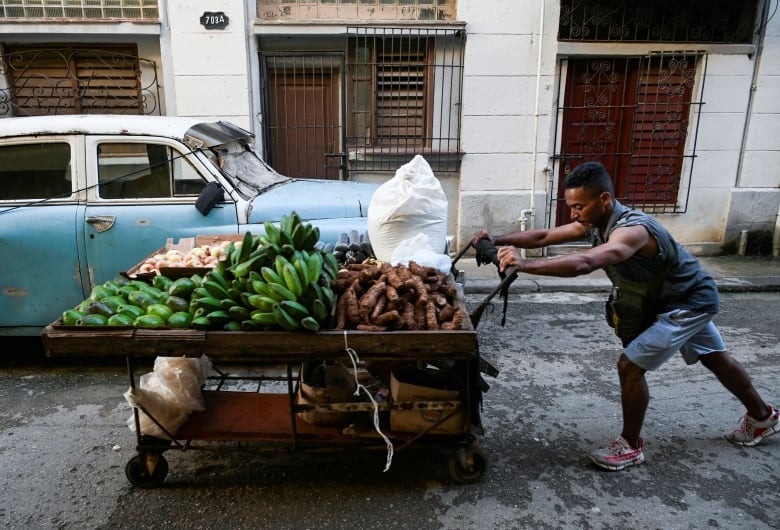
(359, 386)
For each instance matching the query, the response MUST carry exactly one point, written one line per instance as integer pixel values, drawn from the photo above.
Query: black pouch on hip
(629, 312)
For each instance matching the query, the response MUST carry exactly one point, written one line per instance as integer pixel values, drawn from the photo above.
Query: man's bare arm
(622, 244)
(542, 237)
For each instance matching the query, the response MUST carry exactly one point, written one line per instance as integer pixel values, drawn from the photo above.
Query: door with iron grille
(303, 100)
(633, 115)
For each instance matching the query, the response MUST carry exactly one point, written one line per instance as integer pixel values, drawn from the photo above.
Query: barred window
(404, 97)
(63, 79)
(390, 100)
(710, 21)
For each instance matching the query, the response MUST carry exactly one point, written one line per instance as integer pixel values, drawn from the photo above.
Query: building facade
(502, 97)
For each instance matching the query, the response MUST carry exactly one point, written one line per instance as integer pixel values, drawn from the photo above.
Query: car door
(40, 207)
(143, 192)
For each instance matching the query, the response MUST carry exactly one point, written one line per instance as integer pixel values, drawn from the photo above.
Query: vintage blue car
(84, 198)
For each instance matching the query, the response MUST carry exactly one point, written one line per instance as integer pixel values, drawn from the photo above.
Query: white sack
(169, 393)
(411, 203)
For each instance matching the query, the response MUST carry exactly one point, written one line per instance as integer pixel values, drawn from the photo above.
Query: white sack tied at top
(411, 203)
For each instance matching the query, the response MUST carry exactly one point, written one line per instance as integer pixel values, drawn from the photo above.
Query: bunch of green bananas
(253, 253)
(292, 232)
(274, 281)
(295, 293)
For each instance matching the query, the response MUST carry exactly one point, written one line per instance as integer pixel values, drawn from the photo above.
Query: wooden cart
(271, 420)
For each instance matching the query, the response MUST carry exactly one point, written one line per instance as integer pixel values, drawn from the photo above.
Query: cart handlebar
(510, 276)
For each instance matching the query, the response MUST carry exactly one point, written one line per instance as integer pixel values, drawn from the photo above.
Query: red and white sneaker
(618, 455)
(751, 432)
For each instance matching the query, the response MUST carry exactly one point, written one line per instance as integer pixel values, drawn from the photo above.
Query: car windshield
(245, 169)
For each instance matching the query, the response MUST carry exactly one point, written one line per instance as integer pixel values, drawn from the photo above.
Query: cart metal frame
(271, 419)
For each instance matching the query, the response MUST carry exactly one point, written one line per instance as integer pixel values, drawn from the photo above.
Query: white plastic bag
(419, 250)
(169, 393)
(411, 203)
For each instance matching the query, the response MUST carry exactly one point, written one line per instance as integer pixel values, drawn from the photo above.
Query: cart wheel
(467, 466)
(138, 474)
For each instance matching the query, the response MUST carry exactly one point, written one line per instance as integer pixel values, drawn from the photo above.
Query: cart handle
(460, 255)
(510, 276)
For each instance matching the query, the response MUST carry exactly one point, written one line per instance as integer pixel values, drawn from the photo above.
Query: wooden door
(597, 109)
(303, 124)
(632, 115)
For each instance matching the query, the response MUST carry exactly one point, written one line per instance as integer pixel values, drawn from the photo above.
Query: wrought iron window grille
(702, 21)
(371, 105)
(63, 80)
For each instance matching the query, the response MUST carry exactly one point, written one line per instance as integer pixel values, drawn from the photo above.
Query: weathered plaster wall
(209, 66)
(507, 143)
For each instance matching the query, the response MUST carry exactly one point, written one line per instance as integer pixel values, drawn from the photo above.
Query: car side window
(35, 171)
(139, 171)
(187, 181)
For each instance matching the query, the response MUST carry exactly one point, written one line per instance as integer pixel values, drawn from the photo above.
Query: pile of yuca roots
(382, 297)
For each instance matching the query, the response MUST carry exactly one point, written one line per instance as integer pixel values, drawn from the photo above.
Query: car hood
(313, 200)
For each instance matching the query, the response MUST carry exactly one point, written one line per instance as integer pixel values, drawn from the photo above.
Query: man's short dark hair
(592, 176)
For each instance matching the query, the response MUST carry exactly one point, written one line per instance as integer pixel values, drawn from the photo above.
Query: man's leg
(634, 398)
(761, 420)
(627, 450)
(733, 376)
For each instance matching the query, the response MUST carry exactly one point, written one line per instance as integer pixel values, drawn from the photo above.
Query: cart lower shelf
(270, 420)
(249, 416)
(265, 417)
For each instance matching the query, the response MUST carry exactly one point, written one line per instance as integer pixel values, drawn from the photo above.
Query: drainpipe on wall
(743, 242)
(166, 58)
(525, 216)
(528, 213)
(753, 85)
(252, 69)
(763, 20)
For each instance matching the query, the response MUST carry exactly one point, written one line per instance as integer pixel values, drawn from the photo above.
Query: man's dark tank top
(686, 285)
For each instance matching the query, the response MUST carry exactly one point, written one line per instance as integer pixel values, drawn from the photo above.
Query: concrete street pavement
(65, 443)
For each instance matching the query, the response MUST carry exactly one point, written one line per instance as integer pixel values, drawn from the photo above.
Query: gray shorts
(691, 333)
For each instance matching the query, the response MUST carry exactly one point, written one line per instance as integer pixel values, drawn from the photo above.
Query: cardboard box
(339, 388)
(420, 419)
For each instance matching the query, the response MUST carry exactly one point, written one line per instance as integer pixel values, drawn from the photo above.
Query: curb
(725, 285)
(481, 282)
